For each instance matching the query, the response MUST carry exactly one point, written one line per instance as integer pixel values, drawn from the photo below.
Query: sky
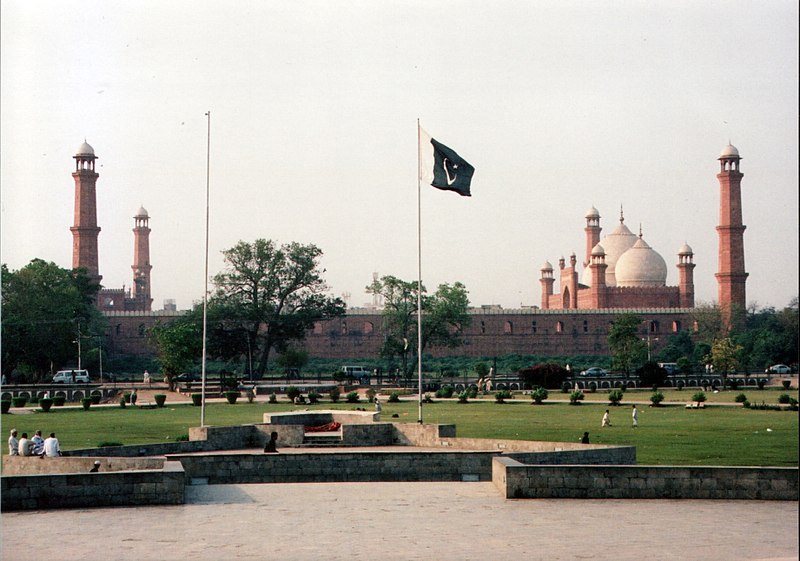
(559, 106)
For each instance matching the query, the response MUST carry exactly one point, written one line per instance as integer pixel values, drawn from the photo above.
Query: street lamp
(648, 345)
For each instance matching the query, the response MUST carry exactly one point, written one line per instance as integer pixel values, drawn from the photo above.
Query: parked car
(594, 371)
(187, 377)
(778, 369)
(71, 377)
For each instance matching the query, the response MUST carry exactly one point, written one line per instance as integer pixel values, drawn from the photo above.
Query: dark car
(186, 377)
(594, 371)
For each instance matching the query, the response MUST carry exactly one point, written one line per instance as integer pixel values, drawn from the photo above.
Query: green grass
(717, 435)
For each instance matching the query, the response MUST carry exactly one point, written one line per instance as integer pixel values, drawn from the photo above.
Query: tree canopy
(444, 316)
(626, 345)
(267, 297)
(45, 310)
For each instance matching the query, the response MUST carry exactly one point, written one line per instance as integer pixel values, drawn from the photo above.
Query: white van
(357, 372)
(71, 376)
(670, 367)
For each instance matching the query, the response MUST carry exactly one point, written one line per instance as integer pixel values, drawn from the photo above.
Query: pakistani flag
(442, 168)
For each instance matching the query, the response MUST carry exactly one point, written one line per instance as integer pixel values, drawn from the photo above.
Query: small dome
(598, 251)
(685, 250)
(641, 266)
(547, 266)
(85, 150)
(729, 151)
(592, 213)
(620, 240)
(141, 213)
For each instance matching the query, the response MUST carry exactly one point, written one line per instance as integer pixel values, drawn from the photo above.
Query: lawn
(716, 435)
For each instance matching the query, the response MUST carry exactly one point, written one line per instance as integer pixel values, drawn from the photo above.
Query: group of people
(34, 446)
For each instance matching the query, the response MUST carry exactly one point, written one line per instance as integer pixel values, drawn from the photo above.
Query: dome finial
(640, 230)
(621, 215)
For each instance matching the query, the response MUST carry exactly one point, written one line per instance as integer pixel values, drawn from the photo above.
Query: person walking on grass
(635, 417)
(606, 419)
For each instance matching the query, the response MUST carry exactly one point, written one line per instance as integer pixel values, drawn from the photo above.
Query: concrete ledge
(321, 417)
(517, 480)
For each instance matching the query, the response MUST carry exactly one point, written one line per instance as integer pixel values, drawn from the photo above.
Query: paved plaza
(403, 521)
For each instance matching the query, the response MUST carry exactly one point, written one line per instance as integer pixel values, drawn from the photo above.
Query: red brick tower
(731, 277)
(141, 261)
(686, 276)
(592, 230)
(85, 230)
(547, 281)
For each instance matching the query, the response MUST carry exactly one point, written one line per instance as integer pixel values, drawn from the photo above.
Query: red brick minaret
(141, 261)
(85, 230)
(686, 276)
(592, 231)
(731, 277)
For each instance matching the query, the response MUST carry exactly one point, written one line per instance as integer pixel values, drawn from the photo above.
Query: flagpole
(419, 277)
(205, 289)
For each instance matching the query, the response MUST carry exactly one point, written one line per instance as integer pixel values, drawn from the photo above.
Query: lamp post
(648, 345)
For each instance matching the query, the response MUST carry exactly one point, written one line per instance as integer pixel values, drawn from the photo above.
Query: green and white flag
(441, 167)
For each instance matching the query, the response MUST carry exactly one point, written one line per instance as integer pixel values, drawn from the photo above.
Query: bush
(371, 395)
(161, 399)
(472, 392)
(182, 438)
(34, 400)
(292, 393)
(765, 407)
(547, 375)
(352, 397)
(783, 398)
(45, 403)
(122, 402)
(427, 398)
(792, 404)
(463, 397)
(741, 398)
(592, 387)
(313, 396)
(651, 374)
(59, 400)
(127, 396)
(761, 384)
(656, 398)
(502, 396)
(95, 397)
(231, 396)
(576, 397)
(445, 392)
(539, 395)
(197, 399)
(699, 397)
(394, 397)
(615, 396)
(786, 384)
(746, 404)
(86, 402)
(335, 394)
(272, 398)
(19, 401)
(680, 385)
(5, 405)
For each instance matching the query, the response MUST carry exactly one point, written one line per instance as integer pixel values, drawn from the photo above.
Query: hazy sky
(558, 105)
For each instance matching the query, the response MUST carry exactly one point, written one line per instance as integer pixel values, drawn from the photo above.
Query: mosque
(619, 273)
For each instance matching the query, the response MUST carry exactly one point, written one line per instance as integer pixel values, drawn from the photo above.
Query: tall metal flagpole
(205, 289)
(419, 276)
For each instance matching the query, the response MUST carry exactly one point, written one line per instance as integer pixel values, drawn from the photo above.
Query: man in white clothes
(51, 447)
(13, 444)
(37, 443)
(24, 445)
(635, 417)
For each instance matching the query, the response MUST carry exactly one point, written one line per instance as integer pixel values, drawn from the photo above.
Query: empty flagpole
(419, 275)
(205, 289)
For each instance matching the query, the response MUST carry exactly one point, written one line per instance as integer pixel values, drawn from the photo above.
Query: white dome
(685, 250)
(641, 266)
(598, 251)
(85, 150)
(592, 213)
(729, 151)
(547, 266)
(615, 244)
(141, 213)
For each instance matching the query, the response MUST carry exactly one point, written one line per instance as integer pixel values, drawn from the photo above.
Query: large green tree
(628, 350)
(444, 316)
(45, 310)
(267, 297)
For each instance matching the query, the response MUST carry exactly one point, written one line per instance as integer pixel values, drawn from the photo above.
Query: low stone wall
(379, 434)
(320, 417)
(517, 480)
(112, 488)
(430, 436)
(33, 465)
(338, 467)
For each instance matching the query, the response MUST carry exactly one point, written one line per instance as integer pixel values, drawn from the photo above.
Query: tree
(444, 315)
(651, 374)
(45, 310)
(547, 375)
(626, 346)
(724, 357)
(180, 344)
(267, 297)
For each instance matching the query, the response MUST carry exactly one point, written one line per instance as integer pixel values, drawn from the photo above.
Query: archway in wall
(565, 298)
